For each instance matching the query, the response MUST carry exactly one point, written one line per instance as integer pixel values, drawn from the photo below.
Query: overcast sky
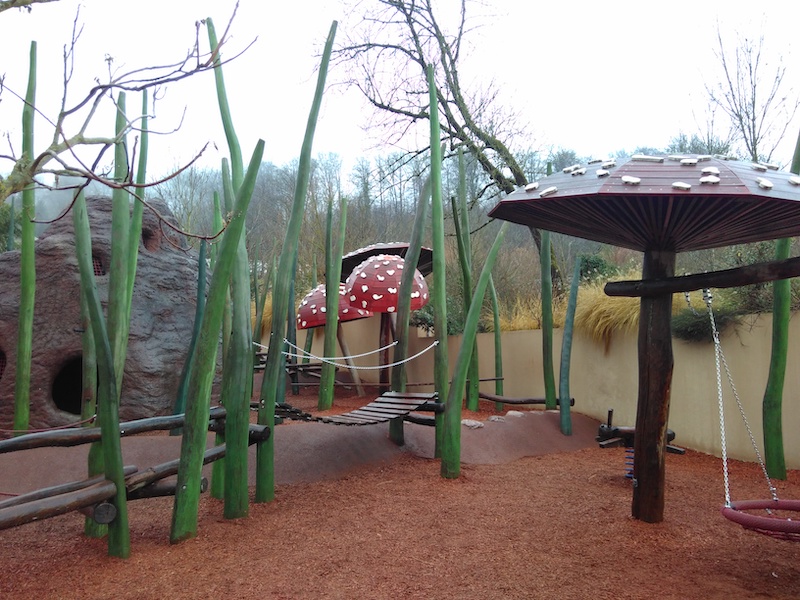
(590, 76)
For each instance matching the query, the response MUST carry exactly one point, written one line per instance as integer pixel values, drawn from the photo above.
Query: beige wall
(600, 380)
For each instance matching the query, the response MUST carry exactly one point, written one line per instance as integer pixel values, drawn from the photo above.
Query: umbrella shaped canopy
(375, 283)
(675, 203)
(352, 259)
(312, 312)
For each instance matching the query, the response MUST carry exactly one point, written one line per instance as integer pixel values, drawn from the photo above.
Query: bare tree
(754, 96)
(386, 57)
(21, 4)
(72, 151)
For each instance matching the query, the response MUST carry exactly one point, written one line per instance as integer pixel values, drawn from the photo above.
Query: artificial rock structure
(162, 314)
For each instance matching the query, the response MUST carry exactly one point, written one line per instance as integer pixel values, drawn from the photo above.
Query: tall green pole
(461, 222)
(27, 266)
(498, 344)
(333, 259)
(772, 405)
(398, 384)
(265, 467)
(566, 352)
(119, 542)
(451, 453)
(11, 228)
(448, 425)
(193, 443)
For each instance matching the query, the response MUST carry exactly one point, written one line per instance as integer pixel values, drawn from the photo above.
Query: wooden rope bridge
(390, 405)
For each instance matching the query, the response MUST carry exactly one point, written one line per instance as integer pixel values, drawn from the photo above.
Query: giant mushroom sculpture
(661, 206)
(375, 285)
(312, 313)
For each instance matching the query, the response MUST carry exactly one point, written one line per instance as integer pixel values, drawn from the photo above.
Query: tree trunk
(655, 380)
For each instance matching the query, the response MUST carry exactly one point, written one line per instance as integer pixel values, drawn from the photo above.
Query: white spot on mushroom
(362, 275)
(392, 290)
(712, 179)
(377, 296)
(794, 180)
(381, 278)
(688, 162)
(630, 180)
(680, 185)
(390, 309)
(364, 288)
(390, 272)
(710, 171)
(581, 171)
(602, 172)
(352, 297)
(532, 187)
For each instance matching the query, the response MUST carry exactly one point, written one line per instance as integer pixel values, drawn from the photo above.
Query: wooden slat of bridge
(391, 405)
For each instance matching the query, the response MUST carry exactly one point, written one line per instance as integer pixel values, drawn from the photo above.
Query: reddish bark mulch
(552, 526)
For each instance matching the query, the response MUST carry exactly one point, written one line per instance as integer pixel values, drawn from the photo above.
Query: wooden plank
(401, 401)
(52, 506)
(394, 406)
(365, 418)
(426, 395)
(63, 488)
(373, 414)
(345, 420)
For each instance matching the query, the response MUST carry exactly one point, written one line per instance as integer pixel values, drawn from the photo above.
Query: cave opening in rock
(67, 386)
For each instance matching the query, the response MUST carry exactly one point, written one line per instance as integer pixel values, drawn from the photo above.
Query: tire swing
(771, 517)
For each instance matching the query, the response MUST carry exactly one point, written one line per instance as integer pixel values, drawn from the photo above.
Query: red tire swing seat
(771, 518)
(769, 521)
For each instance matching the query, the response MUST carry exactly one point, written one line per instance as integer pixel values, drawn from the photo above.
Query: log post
(655, 381)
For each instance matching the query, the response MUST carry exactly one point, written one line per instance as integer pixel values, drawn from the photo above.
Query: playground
(534, 515)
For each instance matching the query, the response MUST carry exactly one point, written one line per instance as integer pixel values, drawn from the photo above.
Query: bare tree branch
(22, 4)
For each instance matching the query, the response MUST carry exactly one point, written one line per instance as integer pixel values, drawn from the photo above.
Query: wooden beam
(748, 275)
(52, 506)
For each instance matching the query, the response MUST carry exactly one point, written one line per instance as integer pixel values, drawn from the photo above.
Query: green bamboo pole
(406, 283)
(566, 351)
(447, 424)
(118, 318)
(396, 433)
(237, 382)
(27, 266)
(265, 467)
(333, 258)
(187, 495)
(498, 345)
(451, 458)
(547, 324)
(200, 305)
(91, 528)
(119, 543)
(772, 405)
(138, 207)
(291, 336)
(461, 221)
(11, 228)
(310, 332)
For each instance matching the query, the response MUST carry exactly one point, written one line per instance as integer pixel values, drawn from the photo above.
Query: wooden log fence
(90, 496)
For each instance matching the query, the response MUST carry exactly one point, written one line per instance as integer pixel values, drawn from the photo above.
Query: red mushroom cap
(312, 311)
(375, 283)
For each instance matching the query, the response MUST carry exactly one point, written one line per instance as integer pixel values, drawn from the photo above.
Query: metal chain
(719, 358)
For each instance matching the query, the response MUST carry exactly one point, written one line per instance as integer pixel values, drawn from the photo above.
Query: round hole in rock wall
(151, 239)
(2, 362)
(67, 386)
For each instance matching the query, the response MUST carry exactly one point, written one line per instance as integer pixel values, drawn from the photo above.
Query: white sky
(590, 76)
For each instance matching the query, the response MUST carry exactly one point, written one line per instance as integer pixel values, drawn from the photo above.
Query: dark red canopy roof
(352, 259)
(749, 203)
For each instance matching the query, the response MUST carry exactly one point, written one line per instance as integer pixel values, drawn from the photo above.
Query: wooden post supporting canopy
(655, 381)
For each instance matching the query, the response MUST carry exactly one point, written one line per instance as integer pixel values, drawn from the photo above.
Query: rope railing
(333, 362)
